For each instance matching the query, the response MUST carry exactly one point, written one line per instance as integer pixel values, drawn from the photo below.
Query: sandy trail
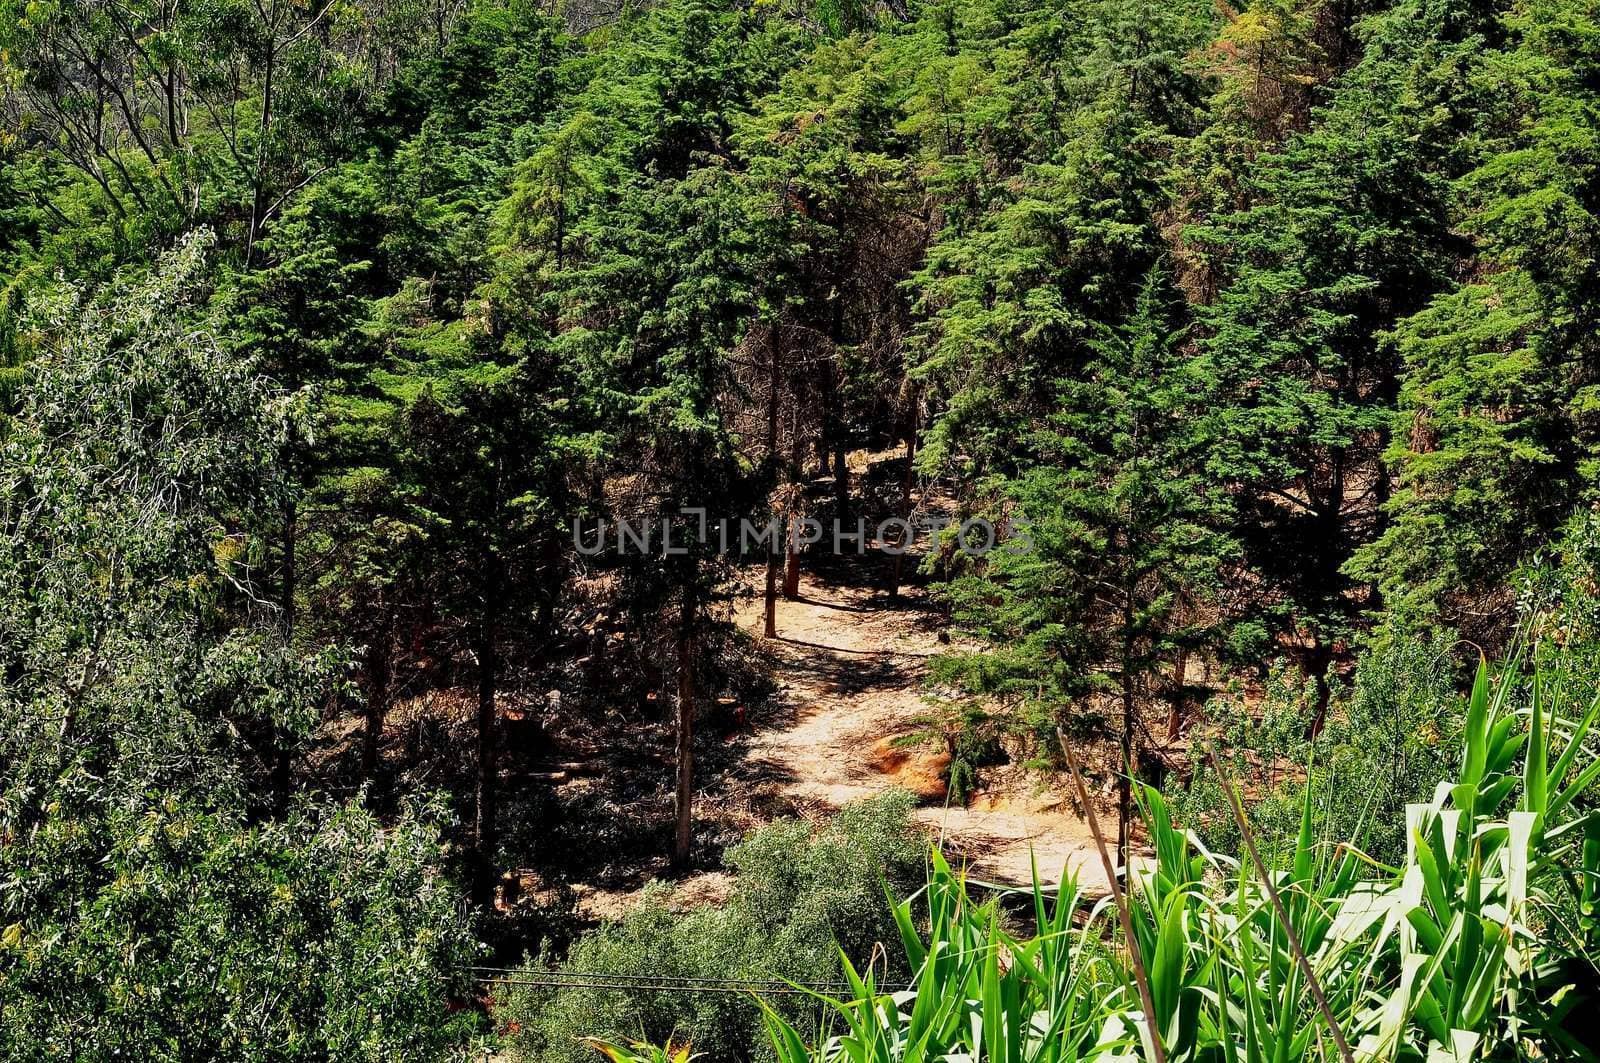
(850, 666)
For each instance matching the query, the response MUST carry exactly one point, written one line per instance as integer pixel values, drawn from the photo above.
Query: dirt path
(850, 667)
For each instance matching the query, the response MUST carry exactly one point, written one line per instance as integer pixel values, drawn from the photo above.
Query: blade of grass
(1277, 906)
(1139, 974)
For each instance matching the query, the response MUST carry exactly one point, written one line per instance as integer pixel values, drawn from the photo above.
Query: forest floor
(823, 715)
(851, 666)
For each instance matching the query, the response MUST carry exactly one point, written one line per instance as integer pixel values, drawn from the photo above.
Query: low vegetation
(804, 895)
(164, 931)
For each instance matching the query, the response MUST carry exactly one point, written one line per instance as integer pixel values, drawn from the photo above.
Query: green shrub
(168, 933)
(802, 892)
(1388, 739)
(1559, 606)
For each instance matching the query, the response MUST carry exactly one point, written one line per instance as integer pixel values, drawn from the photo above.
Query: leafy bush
(802, 893)
(169, 933)
(1559, 607)
(1387, 741)
(1452, 957)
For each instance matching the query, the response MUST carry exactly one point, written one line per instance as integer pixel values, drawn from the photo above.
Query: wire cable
(657, 983)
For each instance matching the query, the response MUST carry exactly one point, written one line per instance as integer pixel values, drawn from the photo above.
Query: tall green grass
(1481, 945)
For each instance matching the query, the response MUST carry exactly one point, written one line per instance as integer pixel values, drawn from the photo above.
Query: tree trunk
(282, 768)
(1331, 581)
(550, 592)
(791, 549)
(1318, 662)
(833, 443)
(775, 560)
(1382, 490)
(775, 549)
(906, 485)
(1125, 777)
(263, 139)
(488, 782)
(791, 567)
(684, 837)
(379, 656)
(1180, 670)
(841, 482)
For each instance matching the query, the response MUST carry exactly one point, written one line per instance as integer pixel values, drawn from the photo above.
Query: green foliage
(640, 1052)
(1389, 734)
(165, 932)
(1347, 232)
(1257, 329)
(801, 894)
(976, 990)
(1031, 272)
(133, 489)
(1122, 549)
(1380, 217)
(1558, 605)
(1388, 739)
(1492, 436)
(146, 915)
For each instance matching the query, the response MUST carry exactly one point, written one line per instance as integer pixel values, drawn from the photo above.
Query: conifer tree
(1349, 233)
(644, 291)
(677, 252)
(1118, 527)
(1494, 444)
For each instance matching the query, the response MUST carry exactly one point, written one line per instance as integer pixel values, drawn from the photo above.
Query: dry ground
(851, 666)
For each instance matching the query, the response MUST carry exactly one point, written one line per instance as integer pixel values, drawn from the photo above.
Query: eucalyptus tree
(139, 476)
(142, 677)
(178, 112)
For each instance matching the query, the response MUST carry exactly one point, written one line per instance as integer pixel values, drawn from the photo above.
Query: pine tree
(1012, 295)
(678, 255)
(1494, 439)
(1349, 233)
(1118, 530)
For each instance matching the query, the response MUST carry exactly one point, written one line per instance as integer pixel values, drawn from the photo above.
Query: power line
(657, 983)
(620, 976)
(562, 983)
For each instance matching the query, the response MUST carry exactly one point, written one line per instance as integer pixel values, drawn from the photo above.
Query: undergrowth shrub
(802, 893)
(170, 932)
(1394, 731)
(1389, 737)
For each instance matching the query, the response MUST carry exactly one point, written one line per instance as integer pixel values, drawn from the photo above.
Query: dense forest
(345, 344)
